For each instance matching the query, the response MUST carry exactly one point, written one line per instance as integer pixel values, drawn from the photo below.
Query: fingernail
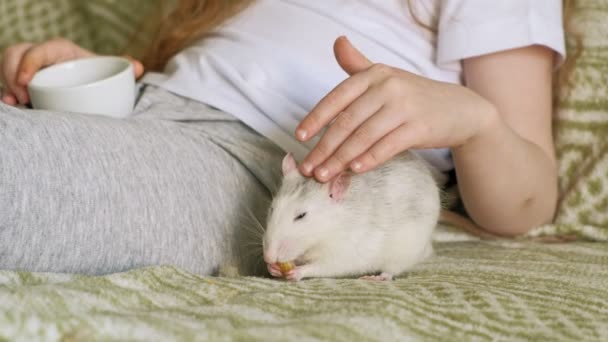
(356, 166)
(302, 134)
(307, 168)
(323, 172)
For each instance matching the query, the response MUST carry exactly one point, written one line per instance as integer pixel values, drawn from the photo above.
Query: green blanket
(469, 290)
(581, 133)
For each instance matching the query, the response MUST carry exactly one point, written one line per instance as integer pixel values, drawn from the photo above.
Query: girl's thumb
(350, 59)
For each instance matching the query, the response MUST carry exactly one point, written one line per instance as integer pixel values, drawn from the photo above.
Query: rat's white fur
(383, 223)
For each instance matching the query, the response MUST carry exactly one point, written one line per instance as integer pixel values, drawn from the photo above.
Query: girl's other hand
(380, 111)
(21, 61)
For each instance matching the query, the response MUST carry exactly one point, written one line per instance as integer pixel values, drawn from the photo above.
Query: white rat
(377, 223)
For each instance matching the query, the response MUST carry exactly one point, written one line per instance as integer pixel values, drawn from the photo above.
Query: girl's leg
(177, 184)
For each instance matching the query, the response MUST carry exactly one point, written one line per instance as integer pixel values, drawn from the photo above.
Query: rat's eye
(299, 217)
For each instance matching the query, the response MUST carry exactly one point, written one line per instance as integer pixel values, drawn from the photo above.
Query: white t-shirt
(273, 62)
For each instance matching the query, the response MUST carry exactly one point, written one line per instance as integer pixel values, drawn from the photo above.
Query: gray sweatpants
(178, 183)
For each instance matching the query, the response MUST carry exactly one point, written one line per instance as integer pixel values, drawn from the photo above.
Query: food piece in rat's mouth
(286, 266)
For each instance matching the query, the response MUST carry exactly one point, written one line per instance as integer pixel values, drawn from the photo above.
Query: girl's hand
(380, 111)
(21, 61)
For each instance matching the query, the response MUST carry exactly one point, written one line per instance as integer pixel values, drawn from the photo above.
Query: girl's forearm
(507, 183)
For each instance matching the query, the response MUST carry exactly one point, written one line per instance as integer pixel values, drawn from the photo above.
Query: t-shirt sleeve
(469, 28)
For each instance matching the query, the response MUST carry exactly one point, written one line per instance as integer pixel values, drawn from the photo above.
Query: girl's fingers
(349, 57)
(335, 102)
(45, 54)
(344, 125)
(9, 99)
(10, 68)
(400, 139)
(138, 67)
(22, 61)
(365, 136)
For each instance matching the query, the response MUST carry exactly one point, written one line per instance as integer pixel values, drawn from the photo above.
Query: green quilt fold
(469, 290)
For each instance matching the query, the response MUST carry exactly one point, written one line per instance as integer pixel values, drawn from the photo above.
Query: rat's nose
(270, 254)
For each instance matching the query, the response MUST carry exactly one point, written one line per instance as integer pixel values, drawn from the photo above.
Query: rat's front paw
(294, 275)
(297, 273)
(274, 270)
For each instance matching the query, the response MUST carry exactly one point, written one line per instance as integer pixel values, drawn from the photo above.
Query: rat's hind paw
(379, 277)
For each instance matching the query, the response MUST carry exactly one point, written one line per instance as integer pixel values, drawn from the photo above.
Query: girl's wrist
(488, 121)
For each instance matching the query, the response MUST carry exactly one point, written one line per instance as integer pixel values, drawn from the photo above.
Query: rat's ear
(289, 164)
(339, 186)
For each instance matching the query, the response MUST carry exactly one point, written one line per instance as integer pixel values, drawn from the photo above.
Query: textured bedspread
(469, 290)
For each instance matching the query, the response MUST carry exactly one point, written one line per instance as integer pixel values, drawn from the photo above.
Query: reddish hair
(189, 21)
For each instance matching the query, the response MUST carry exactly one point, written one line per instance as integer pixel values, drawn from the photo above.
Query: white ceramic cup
(96, 85)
